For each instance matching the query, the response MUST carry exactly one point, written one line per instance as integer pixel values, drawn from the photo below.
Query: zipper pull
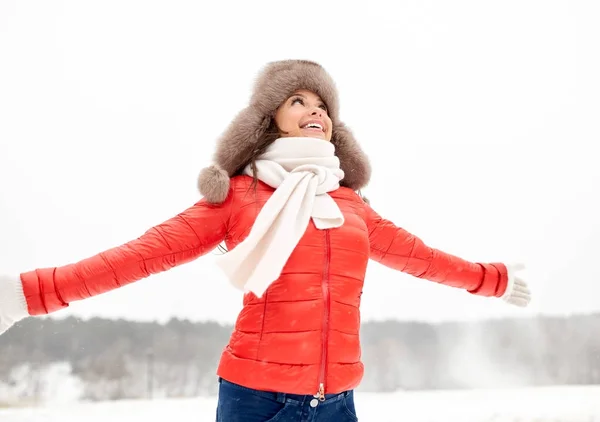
(321, 394)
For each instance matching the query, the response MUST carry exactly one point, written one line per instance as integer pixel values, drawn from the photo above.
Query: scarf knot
(325, 178)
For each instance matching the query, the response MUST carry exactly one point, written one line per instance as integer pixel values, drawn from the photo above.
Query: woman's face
(304, 114)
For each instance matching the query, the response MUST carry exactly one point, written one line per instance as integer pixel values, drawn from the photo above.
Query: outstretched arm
(396, 248)
(181, 239)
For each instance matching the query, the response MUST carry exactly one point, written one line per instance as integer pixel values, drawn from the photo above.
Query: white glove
(517, 292)
(13, 305)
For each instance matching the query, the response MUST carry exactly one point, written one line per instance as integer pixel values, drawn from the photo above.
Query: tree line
(118, 359)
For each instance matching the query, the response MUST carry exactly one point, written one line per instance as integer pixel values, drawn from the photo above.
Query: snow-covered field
(553, 404)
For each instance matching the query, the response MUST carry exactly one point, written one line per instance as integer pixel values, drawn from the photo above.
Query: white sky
(480, 118)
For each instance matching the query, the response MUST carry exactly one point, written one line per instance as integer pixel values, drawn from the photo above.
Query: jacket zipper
(325, 333)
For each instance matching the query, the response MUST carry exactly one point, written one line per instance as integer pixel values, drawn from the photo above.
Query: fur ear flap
(213, 184)
(234, 147)
(240, 139)
(354, 162)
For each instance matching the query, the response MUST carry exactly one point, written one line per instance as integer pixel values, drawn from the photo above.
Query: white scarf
(302, 170)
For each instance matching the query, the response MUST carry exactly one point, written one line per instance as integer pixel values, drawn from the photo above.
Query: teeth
(315, 125)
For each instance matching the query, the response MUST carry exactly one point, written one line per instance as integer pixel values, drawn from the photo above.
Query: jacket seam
(58, 295)
(191, 228)
(228, 222)
(42, 293)
(82, 280)
(101, 255)
(410, 254)
(429, 267)
(262, 326)
(156, 229)
(142, 261)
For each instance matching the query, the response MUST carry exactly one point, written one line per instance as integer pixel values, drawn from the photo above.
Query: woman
(282, 196)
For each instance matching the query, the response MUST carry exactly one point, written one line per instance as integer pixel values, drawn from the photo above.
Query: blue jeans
(241, 404)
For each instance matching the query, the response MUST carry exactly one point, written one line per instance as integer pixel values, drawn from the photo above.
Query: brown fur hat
(247, 132)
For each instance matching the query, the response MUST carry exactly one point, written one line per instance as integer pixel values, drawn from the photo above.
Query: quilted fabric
(302, 336)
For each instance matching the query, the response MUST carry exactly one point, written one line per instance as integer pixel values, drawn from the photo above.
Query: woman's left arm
(396, 248)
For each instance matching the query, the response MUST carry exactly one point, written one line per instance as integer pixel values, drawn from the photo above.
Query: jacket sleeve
(181, 239)
(398, 249)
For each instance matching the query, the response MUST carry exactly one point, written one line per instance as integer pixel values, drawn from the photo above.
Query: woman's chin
(312, 133)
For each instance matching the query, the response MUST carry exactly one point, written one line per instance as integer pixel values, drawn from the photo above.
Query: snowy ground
(555, 404)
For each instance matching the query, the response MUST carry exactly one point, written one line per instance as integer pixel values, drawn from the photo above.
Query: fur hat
(243, 138)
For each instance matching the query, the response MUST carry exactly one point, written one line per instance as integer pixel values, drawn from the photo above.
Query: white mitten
(517, 292)
(13, 305)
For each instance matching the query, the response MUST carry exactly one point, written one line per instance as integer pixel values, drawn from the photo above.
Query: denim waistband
(286, 397)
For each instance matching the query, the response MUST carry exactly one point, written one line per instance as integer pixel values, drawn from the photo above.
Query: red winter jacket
(302, 336)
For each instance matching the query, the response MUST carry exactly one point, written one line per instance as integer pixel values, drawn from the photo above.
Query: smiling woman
(282, 195)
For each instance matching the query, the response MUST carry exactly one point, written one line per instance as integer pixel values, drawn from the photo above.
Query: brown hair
(268, 137)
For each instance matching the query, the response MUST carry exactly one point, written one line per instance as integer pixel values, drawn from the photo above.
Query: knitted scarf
(302, 171)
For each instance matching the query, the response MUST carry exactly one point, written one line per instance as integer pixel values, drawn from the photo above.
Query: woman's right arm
(181, 239)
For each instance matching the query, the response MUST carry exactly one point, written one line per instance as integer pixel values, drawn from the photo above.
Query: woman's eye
(299, 100)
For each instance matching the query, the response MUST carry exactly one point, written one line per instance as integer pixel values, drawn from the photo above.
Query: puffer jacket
(302, 335)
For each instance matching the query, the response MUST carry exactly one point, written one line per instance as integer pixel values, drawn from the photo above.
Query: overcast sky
(480, 119)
